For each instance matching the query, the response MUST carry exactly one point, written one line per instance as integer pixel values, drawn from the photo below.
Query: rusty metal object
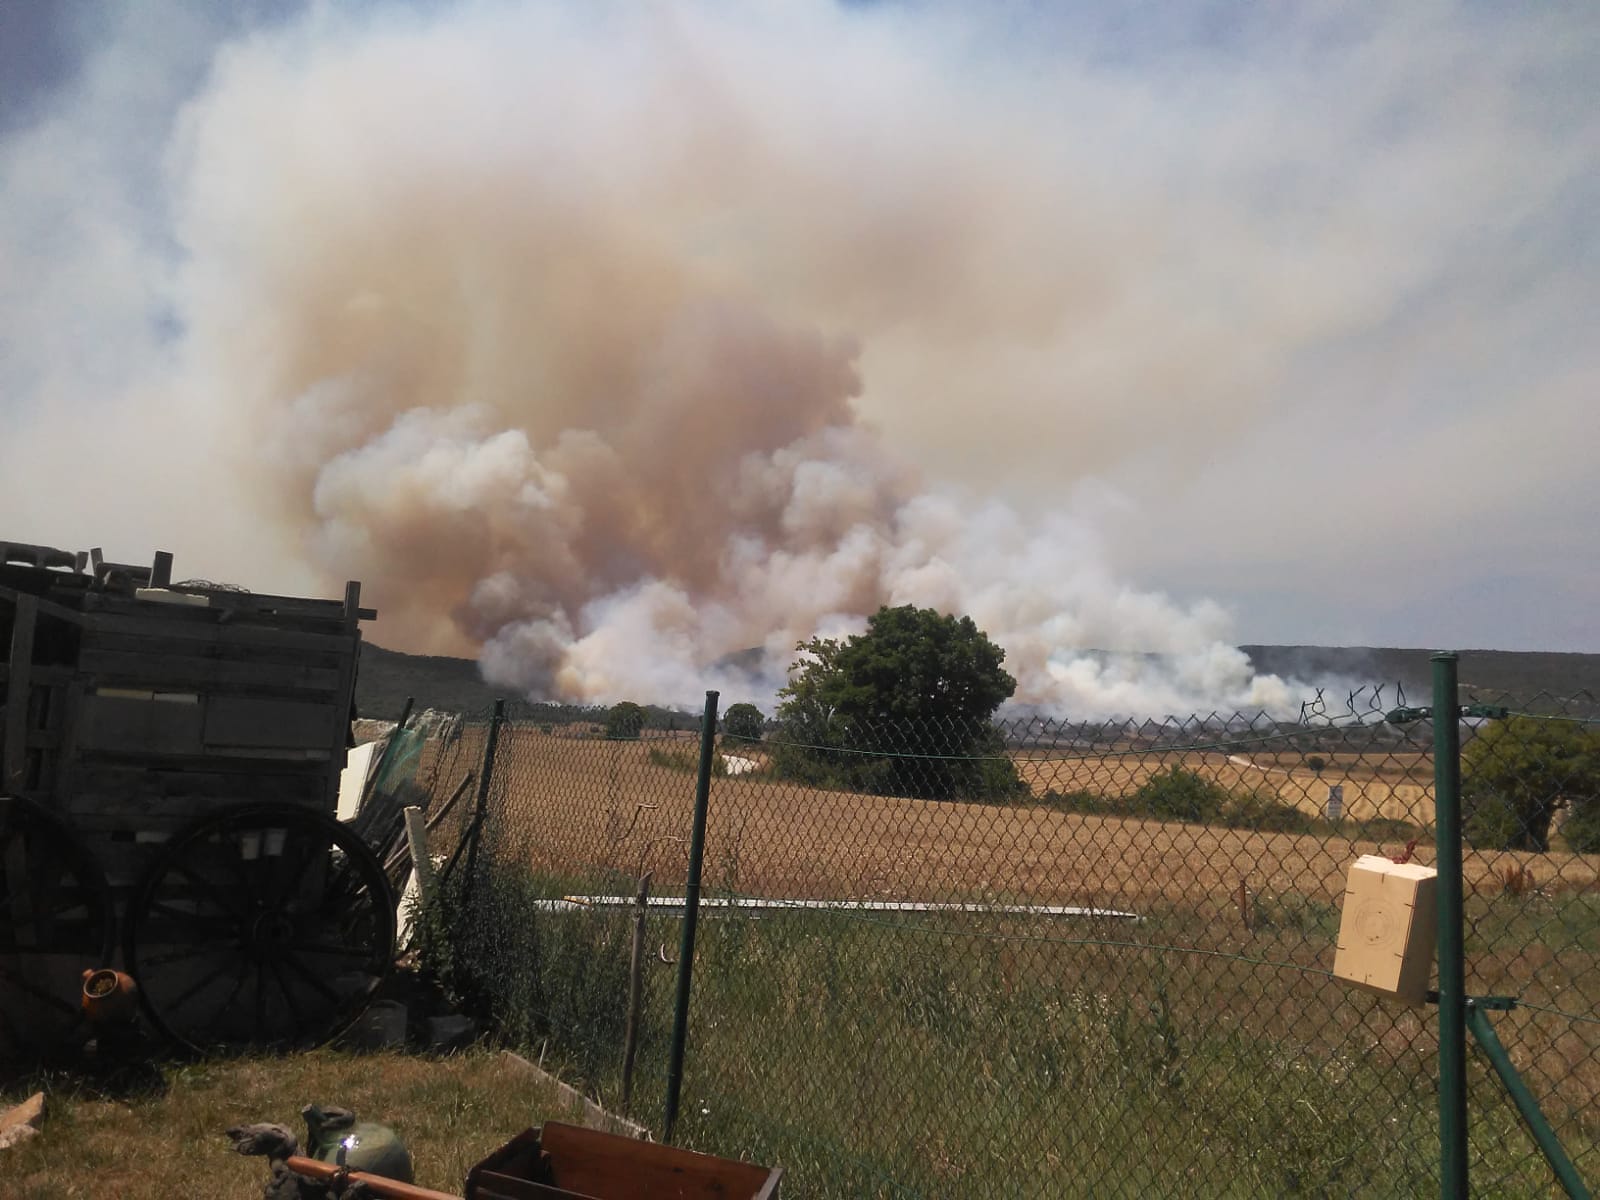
(109, 997)
(378, 1185)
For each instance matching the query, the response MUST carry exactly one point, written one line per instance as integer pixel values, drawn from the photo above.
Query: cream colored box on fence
(1386, 930)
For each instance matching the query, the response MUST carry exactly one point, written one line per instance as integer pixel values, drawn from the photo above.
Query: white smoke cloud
(610, 342)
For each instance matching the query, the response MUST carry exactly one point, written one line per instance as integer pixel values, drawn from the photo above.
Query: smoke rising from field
(568, 371)
(608, 343)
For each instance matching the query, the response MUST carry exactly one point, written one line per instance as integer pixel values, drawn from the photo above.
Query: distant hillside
(1520, 673)
(388, 676)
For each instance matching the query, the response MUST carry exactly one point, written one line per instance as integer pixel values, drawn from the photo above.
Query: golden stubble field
(576, 804)
(1393, 784)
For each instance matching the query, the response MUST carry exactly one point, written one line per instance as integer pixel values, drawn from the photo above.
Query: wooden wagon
(169, 772)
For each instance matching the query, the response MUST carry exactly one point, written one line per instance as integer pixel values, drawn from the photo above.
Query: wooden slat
(168, 670)
(245, 721)
(19, 683)
(111, 724)
(619, 1168)
(207, 632)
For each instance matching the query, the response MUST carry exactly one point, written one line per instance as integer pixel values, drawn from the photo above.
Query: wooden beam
(19, 686)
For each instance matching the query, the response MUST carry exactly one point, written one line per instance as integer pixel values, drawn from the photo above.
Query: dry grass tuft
(169, 1142)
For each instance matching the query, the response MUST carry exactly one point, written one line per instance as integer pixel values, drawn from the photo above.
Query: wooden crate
(131, 707)
(567, 1162)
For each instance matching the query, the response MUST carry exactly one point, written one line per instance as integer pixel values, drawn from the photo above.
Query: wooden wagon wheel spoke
(194, 920)
(55, 908)
(167, 957)
(311, 977)
(44, 996)
(328, 948)
(288, 993)
(177, 1002)
(228, 1001)
(210, 888)
(309, 893)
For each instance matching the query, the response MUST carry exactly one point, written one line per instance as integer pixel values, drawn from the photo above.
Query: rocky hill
(389, 676)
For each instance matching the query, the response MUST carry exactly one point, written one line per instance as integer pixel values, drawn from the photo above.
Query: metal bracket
(1487, 712)
(1405, 716)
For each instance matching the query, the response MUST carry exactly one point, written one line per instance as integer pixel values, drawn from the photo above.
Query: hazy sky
(1289, 308)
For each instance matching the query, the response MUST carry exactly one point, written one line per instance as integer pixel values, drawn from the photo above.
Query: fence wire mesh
(1038, 958)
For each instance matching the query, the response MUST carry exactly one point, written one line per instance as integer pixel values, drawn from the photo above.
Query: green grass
(166, 1139)
(967, 1056)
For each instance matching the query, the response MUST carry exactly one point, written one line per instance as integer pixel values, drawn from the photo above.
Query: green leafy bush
(743, 723)
(1517, 774)
(1265, 813)
(625, 720)
(1178, 794)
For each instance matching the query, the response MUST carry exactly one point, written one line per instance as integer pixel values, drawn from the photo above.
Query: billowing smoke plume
(592, 338)
(555, 338)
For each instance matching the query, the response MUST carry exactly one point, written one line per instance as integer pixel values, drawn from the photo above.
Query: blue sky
(1290, 307)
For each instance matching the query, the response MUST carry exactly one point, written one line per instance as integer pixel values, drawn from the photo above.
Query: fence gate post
(1452, 968)
(691, 913)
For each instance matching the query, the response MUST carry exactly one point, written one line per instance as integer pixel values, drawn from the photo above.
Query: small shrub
(1582, 829)
(1493, 822)
(1516, 880)
(687, 761)
(1178, 794)
(1266, 813)
(1090, 803)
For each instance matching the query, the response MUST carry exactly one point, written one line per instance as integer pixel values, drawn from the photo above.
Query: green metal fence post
(691, 913)
(485, 777)
(1452, 968)
(1554, 1154)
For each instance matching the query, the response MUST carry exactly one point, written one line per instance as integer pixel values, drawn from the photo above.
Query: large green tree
(625, 720)
(904, 709)
(1517, 774)
(743, 723)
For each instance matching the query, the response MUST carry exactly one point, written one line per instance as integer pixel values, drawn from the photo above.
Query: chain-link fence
(1044, 958)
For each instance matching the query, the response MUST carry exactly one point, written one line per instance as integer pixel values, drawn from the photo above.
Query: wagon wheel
(56, 918)
(262, 926)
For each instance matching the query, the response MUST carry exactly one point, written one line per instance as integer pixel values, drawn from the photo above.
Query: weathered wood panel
(13, 751)
(246, 721)
(132, 667)
(138, 727)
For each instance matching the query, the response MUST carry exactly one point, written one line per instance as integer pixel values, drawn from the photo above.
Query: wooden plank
(19, 686)
(135, 804)
(169, 670)
(203, 629)
(346, 701)
(204, 777)
(591, 1112)
(246, 721)
(114, 724)
(617, 1168)
(42, 675)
